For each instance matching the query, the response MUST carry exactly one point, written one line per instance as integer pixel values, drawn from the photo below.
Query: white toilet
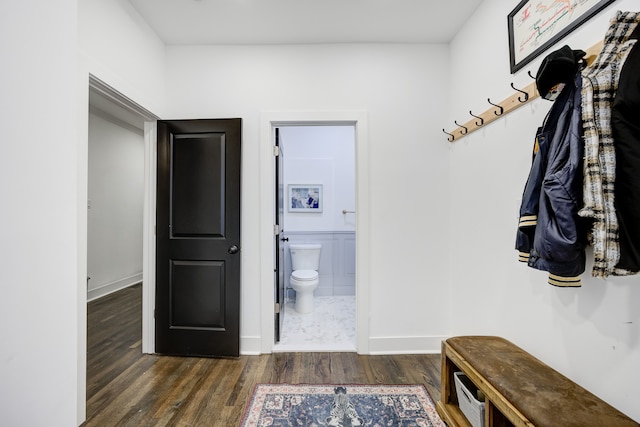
(305, 259)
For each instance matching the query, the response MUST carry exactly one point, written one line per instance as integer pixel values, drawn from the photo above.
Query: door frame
(122, 102)
(149, 237)
(268, 121)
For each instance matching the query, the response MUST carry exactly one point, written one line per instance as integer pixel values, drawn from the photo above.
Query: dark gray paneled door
(198, 237)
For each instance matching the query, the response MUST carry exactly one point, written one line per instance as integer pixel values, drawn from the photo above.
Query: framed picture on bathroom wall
(305, 198)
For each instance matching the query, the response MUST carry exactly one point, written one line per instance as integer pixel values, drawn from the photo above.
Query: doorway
(137, 119)
(128, 111)
(320, 160)
(268, 123)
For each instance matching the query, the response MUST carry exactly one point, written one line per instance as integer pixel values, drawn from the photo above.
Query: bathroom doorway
(317, 159)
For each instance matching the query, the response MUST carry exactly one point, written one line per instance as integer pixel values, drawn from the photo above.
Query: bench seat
(523, 389)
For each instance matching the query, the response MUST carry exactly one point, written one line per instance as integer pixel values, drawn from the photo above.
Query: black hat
(559, 66)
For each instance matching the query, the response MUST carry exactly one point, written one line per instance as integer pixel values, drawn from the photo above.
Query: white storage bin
(471, 407)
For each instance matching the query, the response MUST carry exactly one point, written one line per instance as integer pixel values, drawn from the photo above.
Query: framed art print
(305, 198)
(535, 25)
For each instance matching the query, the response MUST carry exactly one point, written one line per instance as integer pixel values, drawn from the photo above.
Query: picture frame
(307, 198)
(535, 25)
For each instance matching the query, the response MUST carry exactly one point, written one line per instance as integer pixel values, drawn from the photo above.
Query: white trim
(82, 183)
(406, 345)
(119, 99)
(268, 120)
(250, 346)
(149, 239)
(109, 288)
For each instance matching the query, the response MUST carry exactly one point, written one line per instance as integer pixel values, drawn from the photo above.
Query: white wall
(118, 47)
(116, 194)
(589, 334)
(320, 155)
(403, 89)
(39, 319)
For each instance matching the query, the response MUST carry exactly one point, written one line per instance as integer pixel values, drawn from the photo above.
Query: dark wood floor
(127, 388)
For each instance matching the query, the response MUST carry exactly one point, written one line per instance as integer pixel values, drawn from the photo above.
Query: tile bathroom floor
(330, 327)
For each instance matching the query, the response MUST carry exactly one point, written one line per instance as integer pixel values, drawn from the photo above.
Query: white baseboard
(405, 345)
(109, 288)
(250, 346)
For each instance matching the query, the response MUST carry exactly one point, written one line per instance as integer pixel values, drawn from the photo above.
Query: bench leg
(447, 386)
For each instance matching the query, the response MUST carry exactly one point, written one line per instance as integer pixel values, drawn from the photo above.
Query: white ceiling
(294, 22)
(305, 21)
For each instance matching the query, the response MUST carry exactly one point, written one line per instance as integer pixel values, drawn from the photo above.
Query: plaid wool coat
(599, 86)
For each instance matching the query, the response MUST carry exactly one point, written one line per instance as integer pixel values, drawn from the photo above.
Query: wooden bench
(520, 390)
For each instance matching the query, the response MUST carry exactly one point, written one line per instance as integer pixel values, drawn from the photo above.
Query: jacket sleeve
(530, 205)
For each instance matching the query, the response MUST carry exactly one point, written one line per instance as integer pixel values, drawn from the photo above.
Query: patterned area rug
(341, 406)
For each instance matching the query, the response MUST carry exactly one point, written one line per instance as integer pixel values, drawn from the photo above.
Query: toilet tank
(305, 256)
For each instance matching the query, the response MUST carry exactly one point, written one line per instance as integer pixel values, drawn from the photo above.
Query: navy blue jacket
(551, 236)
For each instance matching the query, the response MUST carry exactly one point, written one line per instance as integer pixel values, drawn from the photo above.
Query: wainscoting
(337, 261)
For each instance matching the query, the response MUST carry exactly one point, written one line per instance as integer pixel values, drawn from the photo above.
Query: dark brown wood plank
(127, 388)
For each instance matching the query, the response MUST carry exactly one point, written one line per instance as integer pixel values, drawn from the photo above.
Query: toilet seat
(304, 275)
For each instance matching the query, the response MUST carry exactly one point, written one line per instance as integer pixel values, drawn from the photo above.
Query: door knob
(233, 250)
(285, 239)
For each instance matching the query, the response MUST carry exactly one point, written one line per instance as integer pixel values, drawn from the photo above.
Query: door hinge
(277, 308)
(276, 150)
(276, 229)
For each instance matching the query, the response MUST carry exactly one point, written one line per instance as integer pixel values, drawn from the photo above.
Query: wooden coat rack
(507, 105)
